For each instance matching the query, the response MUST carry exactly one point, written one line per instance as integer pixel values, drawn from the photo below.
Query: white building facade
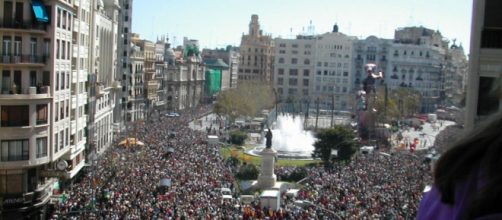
(103, 59)
(42, 100)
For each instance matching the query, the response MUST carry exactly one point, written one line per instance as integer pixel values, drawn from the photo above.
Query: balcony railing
(29, 91)
(20, 59)
(25, 25)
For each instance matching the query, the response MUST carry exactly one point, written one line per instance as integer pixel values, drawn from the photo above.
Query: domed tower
(335, 28)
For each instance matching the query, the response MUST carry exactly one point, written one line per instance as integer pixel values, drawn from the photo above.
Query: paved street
(427, 135)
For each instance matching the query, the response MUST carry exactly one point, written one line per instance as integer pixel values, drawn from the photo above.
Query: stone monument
(267, 177)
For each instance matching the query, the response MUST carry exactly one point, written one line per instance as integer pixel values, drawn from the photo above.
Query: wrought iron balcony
(24, 59)
(23, 25)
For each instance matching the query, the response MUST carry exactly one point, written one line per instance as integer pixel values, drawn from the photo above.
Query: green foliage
(339, 138)
(237, 137)
(298, 174)
(248, 100)
(401, 102)
(247, 172)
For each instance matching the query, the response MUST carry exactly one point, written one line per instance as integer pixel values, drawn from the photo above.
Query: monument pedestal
(267, 178)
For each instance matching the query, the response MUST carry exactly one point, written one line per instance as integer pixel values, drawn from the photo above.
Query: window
(15, 115)
(280, 71)
(63, 81)
(306, 72)
(61, 139)
(306, 62)
(6, 46)
(33, 78)
(41, 147)
(345, 73)
(33, 48)
(67, 80)
(294, 45)
(47, 49)
(57, 81)
(280, 81)
(56, 109)
(68, 50)
(69, 21)
(64, 19)
(59, 18)
(17, 46)
(293, 81)
(42, 111)
(67, 132)
(281, 60)
(294, 61)
(56, 138)
(15, 150)
(305, 82)
(293, 72)
(63, 53)
(57, 49)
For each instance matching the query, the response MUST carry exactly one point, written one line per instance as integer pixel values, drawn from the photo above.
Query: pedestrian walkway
(426, 136)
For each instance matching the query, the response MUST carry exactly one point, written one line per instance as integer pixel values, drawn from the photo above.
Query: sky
(217, 23)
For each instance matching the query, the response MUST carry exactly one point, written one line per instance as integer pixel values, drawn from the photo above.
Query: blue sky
(217, 23)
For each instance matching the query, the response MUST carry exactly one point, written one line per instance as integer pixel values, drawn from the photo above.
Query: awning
(39, 10)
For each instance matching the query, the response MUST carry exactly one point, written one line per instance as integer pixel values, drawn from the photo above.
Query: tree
(338, 138)
(237, 137)
(247, 172)
(247, 100)
(401, 102)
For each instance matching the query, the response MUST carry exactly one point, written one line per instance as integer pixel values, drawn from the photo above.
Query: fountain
(290, 140)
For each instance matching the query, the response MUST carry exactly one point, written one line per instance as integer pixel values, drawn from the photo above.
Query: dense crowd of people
(124, 184)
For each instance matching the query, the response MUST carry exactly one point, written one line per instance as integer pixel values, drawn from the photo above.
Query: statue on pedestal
(268, 143)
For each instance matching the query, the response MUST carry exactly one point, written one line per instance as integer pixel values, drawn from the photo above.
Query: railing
(32, 90)
(14, 59)
(26, 25)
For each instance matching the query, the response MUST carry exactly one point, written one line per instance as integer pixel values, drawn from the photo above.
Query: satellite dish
(62, 165)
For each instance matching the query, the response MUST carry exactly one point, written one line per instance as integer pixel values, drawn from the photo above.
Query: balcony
(24, 59)
(24, 26)
(32, 92)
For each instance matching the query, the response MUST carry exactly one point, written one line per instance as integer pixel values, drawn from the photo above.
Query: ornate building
(256, 53)
(185, 77)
